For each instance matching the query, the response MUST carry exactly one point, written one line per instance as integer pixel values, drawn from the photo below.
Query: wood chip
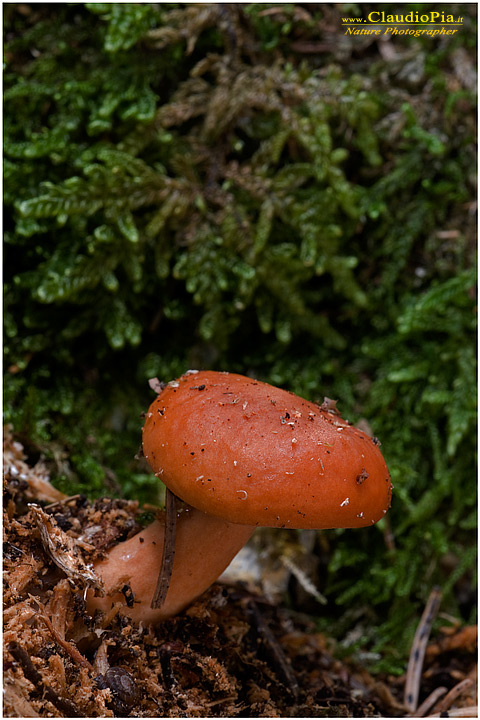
(63, 550)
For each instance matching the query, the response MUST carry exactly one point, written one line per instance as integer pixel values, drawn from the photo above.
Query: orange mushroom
(241, 454)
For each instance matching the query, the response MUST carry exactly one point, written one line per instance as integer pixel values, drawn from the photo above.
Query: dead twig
(429, 702)
(67, 646)
(64, 501)
(454, 693)
(168, 555)
(417, 653)
(273, 649)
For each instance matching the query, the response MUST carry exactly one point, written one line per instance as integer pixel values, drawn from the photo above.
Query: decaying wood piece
(15, 702)
(31, 673)
(21, 573)
(58, 607)
(63, 550)
(72, 651)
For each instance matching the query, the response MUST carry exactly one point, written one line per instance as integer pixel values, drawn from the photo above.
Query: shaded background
(246, 188)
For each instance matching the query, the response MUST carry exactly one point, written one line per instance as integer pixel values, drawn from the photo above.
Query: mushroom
(240, 454)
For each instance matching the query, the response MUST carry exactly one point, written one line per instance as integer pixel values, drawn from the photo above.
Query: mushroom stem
(205, 545)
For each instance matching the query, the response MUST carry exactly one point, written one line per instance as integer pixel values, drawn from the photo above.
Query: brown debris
(463, 639)
(63, 549)
(67, 646)
(330, 406)
(231, 654)
(156, 385)
(33, 482)
(15, 700)
(30, 672)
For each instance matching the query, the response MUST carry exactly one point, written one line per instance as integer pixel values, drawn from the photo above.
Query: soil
(231, 654)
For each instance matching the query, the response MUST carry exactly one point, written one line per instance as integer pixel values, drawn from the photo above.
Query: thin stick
(417, 653)
(273, 649)
(63, 501)
(166, 568)
(65, 644)
(429, 702)
(453, 694)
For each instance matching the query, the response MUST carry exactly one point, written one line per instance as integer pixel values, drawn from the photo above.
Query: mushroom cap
(254, 454)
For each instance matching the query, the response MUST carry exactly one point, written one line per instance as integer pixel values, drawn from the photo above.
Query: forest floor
(231, 654)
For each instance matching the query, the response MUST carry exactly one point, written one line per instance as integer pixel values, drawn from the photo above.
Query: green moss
(186, 187)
